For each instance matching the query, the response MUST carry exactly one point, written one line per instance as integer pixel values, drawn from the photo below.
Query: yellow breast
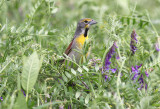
(80, 40)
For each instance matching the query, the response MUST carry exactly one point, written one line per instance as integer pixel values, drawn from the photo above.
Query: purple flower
(146, 74)
(109, 56)
(141, 81)
(136, 73)
(81, 75)
(133, 42)
(113, 70)
(107, 63)
(117, 57)
(23, 92)
(69, 106)
(157, 46)
(146, 87)
(106, 77)
(1, 98)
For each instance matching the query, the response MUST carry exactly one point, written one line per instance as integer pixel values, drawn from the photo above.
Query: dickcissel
(80, 36)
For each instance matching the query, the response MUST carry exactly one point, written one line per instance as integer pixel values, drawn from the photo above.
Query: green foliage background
(47, 27)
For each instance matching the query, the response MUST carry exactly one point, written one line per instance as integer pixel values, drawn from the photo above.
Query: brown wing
(68, 50)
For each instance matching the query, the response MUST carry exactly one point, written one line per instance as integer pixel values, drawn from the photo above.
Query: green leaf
(30, 71)
(96, 68)
(85, 68)
(68, 75)
(87, 99)
(20, 102)
(71, 90)
(73, 71)
(80, 70)
(78, 94)
(64, 78)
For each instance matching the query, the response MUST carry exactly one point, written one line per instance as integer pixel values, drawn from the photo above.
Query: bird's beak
(92, 22)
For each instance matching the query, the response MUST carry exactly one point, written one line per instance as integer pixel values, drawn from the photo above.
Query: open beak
(92, 22)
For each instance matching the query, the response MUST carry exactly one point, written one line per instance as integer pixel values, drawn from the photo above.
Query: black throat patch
(86, 32)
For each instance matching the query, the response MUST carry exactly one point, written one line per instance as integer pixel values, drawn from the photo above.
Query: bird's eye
(86, 21)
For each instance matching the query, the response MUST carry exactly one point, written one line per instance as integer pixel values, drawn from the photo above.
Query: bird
(80, 36)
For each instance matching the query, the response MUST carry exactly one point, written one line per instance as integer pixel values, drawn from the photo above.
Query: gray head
(84, 24)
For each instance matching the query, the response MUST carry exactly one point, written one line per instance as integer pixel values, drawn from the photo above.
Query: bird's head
(86, 23)
(83, 26)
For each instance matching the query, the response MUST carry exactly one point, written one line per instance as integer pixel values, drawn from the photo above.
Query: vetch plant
(133, 42)
(137, 75)
(107, 63)
(109, 55)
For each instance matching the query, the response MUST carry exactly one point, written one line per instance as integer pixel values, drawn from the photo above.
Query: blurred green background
(64, 12)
